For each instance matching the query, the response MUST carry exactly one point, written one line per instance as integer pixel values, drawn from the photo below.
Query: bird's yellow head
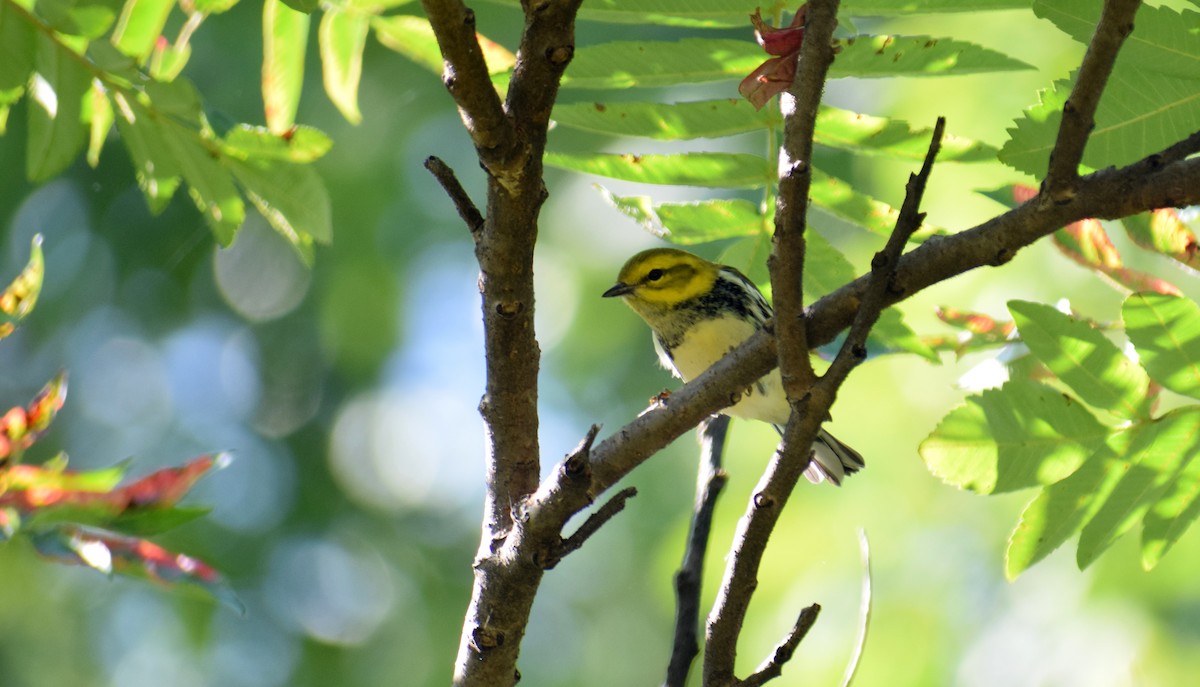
(661, 278)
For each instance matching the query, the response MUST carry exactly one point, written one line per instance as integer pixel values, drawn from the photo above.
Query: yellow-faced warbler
(699, 311)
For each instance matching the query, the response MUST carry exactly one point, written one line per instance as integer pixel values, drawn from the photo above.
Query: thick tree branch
(710, 480)
(1078, 117)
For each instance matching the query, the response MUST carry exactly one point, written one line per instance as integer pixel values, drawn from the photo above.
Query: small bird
(699, 311)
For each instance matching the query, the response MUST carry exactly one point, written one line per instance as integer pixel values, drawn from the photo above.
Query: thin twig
(458, 195)
(710, 480)
(773, 666)
(592, 525)
(864, 611)
(1078, 117)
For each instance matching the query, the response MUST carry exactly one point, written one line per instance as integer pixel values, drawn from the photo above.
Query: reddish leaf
(18, 299)
(776, 74)
(112, 553)
(1023, 193)
(20, 427)
(1162, 231)
(1088, 244)
(979, 331)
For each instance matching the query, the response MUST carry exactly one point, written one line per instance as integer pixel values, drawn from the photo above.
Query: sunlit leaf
(413, 37)
(285, 37)
(139, 26)
(55, 108)
(292, 198)
(1163, 40)
(19, 297)
(1164, 232)
(21, 427)
(1088, 244)
(842, 200)
(213, 6)
(342, 36)
(209, 184)
(154, 165)
(1022, 435)
(299, 144)
(690, 223)
(1166, 332)
(87, 18)
(667, 121)
(719, 170)
(1157, 452)
(826, 269)
(1083, 358)
(100, 118)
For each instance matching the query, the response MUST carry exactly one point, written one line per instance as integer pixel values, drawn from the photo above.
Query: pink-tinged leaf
(18, 299)
(1023, 193)
(780, 41)
(776, 74)
(1162, 231)
(112, 553)
(167, 486)
(1088, 244)
(978, 331)
(20, 427)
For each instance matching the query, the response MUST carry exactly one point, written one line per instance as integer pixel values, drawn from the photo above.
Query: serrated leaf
(1157, 452)
(732, 13)
(623, 64)
(413, 37)
(56, 133)
(1087, 243)
(1022, 435)
(300, 144)
(892, 335)
(689, 223)
(285, 38)
(1171, 515)
(1162, 231)
(209, 184)
(1163, 40)
(717, 170)
(1061, 509)
(139, 26)
(1141, 112)
(843, 201)
(667, 121)
(342, 36)
(291, 197)
(867, 134)
(154, 163)
(1166, 332)
(1079, 355)
(19, 297)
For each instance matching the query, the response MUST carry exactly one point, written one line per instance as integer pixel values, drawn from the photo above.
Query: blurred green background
(348, 393)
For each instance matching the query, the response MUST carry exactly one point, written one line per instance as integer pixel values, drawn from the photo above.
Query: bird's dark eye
(654, 274)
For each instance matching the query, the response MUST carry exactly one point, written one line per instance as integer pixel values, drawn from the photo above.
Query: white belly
(709, 341)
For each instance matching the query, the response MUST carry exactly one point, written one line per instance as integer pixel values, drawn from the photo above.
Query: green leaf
(305, 6)
(18, 299)
(726, 13)
(145, 522)
(301, 144)
(622, 64)
(891, 334)
(826, 269)
(1166, 332)
(1171, 515)
(1163, 40)
(867, 134)
(153, 161)
(717, 170)
(342, 37)
(55, 109)
(17, 50)
(209, 184)
(88, 18)
(842, 200)
(1162, 231)
(1141, 112)
(1061, 509)
(214, 6)
(876, 56)
(1157, 452)
(690, 223)
(668, 122)
(99, 115)
(139, 26)
(291, 197)
(285, 37)
(1022, 435)
(1083, 359)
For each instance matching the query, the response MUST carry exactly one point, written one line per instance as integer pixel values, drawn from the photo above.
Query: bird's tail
(832, 460)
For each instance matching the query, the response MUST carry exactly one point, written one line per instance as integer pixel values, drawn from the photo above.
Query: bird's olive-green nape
(664, 277)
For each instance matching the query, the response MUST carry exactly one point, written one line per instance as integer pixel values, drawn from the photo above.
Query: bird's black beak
(618, 289)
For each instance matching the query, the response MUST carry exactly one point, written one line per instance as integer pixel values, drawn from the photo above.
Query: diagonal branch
(1078, 118)
(773, 666)
(710, 481)
(445, 176)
